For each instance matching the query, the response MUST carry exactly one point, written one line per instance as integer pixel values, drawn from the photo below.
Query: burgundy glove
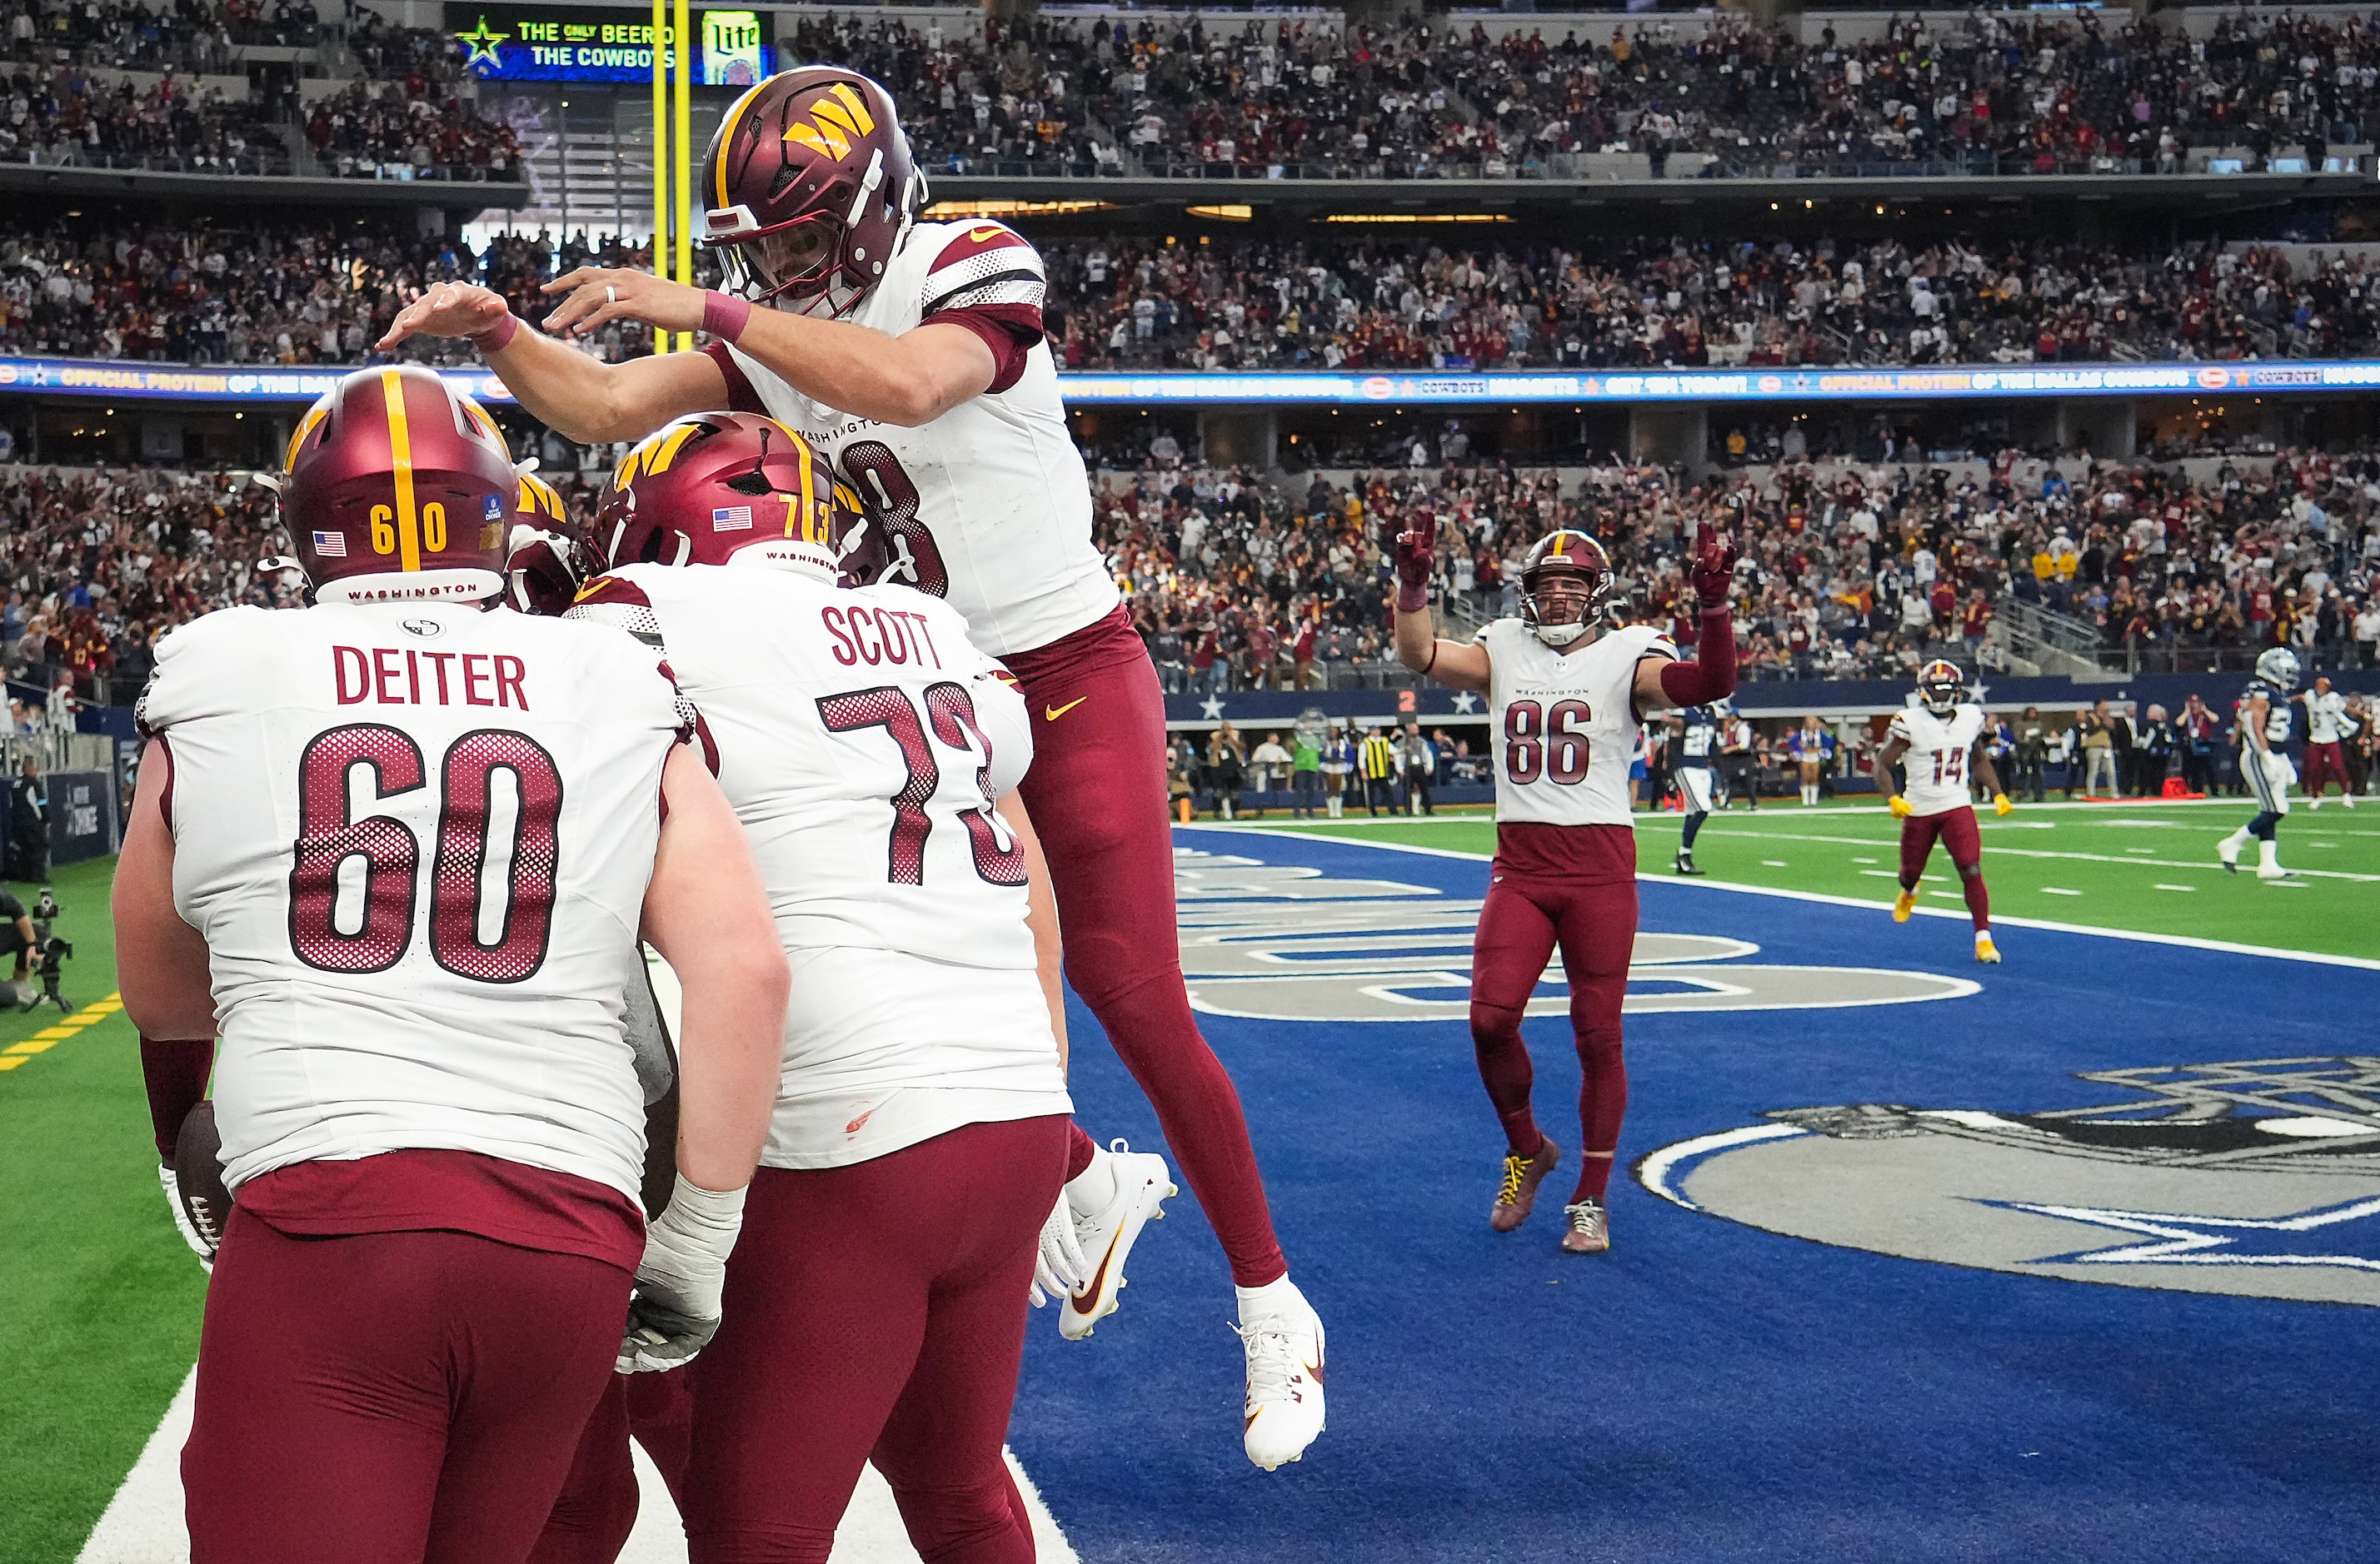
(541, 575)
(1414, 551)
(1712, 569)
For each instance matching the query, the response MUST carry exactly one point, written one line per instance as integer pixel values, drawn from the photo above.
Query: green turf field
(2139, 865)
(105, 1297)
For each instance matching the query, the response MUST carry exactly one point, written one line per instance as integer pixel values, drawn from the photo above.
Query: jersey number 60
(382, 888)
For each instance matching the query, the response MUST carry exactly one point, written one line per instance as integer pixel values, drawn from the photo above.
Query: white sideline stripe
(2186, 941)
(142, 1523)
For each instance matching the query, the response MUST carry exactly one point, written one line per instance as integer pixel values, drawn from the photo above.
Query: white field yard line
(1996, 849)
(1737, 829)
(2051, 924)
(143, 1521)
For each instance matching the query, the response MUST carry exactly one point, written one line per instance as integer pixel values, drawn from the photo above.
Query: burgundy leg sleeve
(1508, 955)
(1964, 843)
(1096, 796)
(404, 1398)
(1080, 1149)
(1597, 928)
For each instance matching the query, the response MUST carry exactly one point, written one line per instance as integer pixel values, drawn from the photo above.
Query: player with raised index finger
(911, 354)
(1568, 695)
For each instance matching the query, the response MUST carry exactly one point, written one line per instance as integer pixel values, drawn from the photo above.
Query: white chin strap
(1560, 635)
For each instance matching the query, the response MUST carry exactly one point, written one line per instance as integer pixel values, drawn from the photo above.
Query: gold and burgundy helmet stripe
(394, 473)
(709, 486)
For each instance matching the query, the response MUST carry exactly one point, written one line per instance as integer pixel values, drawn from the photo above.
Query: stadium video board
(559, 43)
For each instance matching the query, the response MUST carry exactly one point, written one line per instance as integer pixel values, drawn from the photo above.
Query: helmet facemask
(1579, 593)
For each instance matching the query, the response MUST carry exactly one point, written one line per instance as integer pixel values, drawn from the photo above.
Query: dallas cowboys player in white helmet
(2263, 729)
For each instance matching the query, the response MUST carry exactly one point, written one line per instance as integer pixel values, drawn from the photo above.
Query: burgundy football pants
(2325, 764)
(874, 1311)
(397, 1398)
(1097, 794)
(1565, 889)
(1956, 829)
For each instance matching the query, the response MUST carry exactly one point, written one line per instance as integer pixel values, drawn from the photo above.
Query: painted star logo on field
(483, 43)
(1465, 700)
(1212, 708)
(2327, 1235)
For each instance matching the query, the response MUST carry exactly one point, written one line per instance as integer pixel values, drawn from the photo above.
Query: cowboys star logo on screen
(2256, 1177)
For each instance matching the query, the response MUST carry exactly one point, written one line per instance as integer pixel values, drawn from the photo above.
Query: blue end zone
(1710, 1390)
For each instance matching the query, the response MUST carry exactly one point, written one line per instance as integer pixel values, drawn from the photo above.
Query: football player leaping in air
(1941, 738)
(1567, 699)
(2263, 725)
(912, 355)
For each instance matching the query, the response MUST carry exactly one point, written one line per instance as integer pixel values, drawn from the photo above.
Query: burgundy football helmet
(1565, 554)
(399, 488)
(809, 188)
(708, 487)
(1940, 686)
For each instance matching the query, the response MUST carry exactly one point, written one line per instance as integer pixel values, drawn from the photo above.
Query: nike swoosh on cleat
(1051, 713)
(1089, 1295)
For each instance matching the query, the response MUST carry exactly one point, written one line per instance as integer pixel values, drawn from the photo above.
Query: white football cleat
(2268, 861)
(1142, 1184)
(1284, 1413)
(2227, 852)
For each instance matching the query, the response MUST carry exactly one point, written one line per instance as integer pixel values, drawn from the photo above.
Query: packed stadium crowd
(66, 97)
(1849, 572)
(1241, 581)
(190, 35)
(1389, 304)
(69, 115)
(1421, 99)
(220, 293)
(258, 292)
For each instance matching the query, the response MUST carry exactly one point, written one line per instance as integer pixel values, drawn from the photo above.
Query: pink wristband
(1411, 600)
(495, 336)
(723, 317)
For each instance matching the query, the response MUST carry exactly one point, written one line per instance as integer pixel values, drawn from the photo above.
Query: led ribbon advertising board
(561, 44)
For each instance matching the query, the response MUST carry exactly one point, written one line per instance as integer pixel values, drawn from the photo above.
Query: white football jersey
(1565, 725)
(417, 838)
(863, 741)
(1940, 749)
(989, 505)
(2325, 717)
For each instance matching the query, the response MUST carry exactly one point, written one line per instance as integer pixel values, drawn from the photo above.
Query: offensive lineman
(1697, 774)
(1567, 699)
(1942, 738)
(430, 1113)
(912, 354)
(919, 1138)
(2263, 725)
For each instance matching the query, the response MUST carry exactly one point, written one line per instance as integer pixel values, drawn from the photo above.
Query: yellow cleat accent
(2000, 804)
(1985, 951)
(1902, 905)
